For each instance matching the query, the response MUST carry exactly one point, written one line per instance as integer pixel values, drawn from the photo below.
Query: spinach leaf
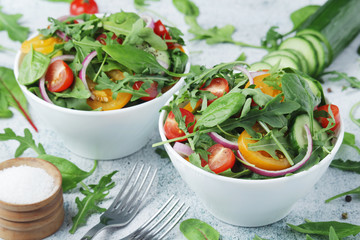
(299, 16)
(11, 95)
(94, 193)
(70, 173)
(353, 191)
(197, 229)
(221, 109)
(9, 23)
(348, 165)
(120, 23)
(33, 67)
(322, 228)
(352, 114)
(349, 139)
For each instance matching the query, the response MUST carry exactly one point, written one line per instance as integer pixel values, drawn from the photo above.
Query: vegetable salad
(87, 62)
(229, 121)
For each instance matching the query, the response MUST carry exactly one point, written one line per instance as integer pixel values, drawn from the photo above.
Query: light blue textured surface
(251, 19)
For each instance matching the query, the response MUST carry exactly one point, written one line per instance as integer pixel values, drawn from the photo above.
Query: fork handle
(93, 231)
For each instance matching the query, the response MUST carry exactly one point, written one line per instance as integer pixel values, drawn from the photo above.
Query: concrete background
(252, 18)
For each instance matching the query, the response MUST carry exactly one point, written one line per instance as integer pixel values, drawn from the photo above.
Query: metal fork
(170, 216)
(126, 204)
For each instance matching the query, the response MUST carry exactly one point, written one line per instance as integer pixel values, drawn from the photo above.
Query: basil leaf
(301, 15)
(322, 228)
(348, 165)
(197, 229)
(33, 67)
(71, 174)
(221, 109)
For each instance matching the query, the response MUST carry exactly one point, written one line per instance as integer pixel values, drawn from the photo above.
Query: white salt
(25, 185)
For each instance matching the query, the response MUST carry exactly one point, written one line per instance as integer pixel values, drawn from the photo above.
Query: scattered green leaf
(353, 191)
(10, 24)
(199, 230)
(301, 15)
(161, 152)
(347, 165)
(349, 139)
(335, 76)
(352, 114)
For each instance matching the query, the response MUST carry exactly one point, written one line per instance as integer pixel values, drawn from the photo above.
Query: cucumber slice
(160, 55)
(257, 66)
(298, 134)
(306, 48)
(296, 56)
(283, 60)
(325, 42)
(316, 88)
(319, 50)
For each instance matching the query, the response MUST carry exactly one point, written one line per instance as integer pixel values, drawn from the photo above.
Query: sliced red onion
(295, 167)
(62, 35)
(183, 149)
(246, 72)
(163, 64)
(43, 92)
(255, 74)
(223, 141)
(85, 64)
(149, 21)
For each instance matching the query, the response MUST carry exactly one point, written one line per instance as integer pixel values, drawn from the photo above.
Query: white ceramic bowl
(101, 135)
(248, 203)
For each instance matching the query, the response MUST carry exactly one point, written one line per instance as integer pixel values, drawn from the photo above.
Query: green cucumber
(257, 66)
(298, 57)
(160, 55)
(283, 61)
(298, 133)
(306, 48)
(319, 48)
(338, 21)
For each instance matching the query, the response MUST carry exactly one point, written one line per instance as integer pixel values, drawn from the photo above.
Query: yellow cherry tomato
(259, 83)
(260, 159)
(39, 44)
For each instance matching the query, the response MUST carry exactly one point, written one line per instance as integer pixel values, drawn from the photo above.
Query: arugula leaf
(242, 57)
(335, 76)
(299, 16)
(259, 238)
(187, 7)
(272, 39)
(352, 114)
(197, 229)
(349, 139)
(33, 67)
(11, 95)
(70, 173)
(93, 195)
(161, 152)
(10, 24)
(353, 191)
(347, 165)
(322, 228)
(78, 91)
(143, 3)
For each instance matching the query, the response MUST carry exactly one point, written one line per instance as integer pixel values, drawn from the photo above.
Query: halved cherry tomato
(103, 98)
(39, 44)
(78, 7)
(59, 76)
(325, 121)
(160, 30)
(260, 159)
(152, 90)
(171, 127)
(259, 83)
(220, 158)
(176, 45)
(218, 87)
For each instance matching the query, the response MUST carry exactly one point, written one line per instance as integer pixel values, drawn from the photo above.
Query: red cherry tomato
(152, 90)
(78, 7)
(59, 76)
(220, 158)
(160, 30)
(325, 121)
(171, 127)
(217, 86)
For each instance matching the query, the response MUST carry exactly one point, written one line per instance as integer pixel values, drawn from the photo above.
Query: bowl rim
(125, 110)
(178, 157)
(57, 178)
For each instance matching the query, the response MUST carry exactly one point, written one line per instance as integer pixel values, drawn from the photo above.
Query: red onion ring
(223, 141)
(246, 72)
(85, 64)
(255, 74)
(62, 35)
(42, 89)
(183, 149)
(63, 18)
(295, 167)
(149, 21)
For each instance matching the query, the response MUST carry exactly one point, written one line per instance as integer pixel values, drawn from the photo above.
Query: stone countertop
(251, 19)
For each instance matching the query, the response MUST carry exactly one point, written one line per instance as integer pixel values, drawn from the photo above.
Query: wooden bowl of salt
(31, 199)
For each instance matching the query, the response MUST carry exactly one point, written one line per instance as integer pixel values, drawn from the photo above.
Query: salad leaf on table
(70, 173)
(353, 191)
(197, 229)
(11, 95)
(352, 114)
(94, 193)
(349, 139)
(348, 165)
(9, 23)
(336, 76)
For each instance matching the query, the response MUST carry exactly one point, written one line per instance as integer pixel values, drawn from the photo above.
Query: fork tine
(174, 223)
(122, 190)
